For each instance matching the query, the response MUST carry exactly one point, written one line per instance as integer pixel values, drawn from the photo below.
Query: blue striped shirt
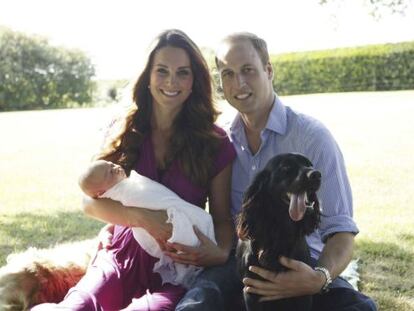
(289, 131)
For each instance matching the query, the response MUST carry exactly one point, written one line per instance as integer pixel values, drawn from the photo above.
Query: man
(263, 128)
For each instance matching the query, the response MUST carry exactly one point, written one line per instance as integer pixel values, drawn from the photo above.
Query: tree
(378, 7)
(36, 75)
(113, 94)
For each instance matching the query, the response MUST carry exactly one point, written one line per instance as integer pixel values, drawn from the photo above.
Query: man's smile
(243, 96)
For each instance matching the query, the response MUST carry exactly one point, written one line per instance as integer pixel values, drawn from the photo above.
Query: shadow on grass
(386, 271)
(20, 231)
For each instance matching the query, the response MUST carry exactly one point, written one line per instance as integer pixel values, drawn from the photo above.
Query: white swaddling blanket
(140, 191)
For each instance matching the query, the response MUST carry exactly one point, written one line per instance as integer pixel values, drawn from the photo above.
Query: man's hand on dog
(300, 280)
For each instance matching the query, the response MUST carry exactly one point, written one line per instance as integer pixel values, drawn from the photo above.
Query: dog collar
(328, 279)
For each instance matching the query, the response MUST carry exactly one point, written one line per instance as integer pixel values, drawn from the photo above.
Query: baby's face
(100, 176)
(110, 174)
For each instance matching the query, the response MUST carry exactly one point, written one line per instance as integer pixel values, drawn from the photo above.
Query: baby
(99, 177)
(104, 179)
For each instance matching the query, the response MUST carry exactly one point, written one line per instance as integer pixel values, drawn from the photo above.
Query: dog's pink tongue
(297, 206)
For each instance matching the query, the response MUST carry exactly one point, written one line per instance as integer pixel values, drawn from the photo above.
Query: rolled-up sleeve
(335, 194)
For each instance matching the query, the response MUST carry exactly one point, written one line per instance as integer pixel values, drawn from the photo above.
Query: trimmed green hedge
(369, 68)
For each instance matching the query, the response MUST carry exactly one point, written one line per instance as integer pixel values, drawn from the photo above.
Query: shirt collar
(277, 121)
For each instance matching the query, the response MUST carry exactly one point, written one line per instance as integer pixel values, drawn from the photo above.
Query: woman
(169, 136)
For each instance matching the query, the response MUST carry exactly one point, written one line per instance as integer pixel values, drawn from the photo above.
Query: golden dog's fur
(43, 275)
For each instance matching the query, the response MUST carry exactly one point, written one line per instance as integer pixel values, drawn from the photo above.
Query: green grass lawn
(42, 153)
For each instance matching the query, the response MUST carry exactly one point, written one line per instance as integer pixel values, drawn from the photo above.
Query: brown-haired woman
(169, 136)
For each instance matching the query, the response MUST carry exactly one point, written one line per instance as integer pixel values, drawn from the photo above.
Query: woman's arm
(219, 204)
(208, 253)
(114, 212)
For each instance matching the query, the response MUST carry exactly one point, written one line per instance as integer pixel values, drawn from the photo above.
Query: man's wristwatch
(328, 279)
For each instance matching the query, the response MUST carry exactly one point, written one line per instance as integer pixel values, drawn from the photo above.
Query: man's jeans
(216, 288)
(219, 289)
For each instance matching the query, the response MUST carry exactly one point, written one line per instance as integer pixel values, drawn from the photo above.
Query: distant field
(42, 153)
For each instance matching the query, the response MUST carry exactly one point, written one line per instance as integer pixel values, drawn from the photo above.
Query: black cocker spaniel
(279, 209)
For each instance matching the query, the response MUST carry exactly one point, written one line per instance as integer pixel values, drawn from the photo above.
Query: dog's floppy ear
(254, 200)
(258, 186)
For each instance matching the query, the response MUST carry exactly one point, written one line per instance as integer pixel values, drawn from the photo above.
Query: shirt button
(254, 167)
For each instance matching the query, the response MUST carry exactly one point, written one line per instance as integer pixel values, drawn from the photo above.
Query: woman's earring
(149, 86)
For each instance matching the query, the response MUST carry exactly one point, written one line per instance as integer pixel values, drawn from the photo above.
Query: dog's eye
(285, 169)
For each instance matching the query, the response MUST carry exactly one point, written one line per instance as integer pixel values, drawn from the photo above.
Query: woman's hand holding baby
(155, 222)
(205, 255)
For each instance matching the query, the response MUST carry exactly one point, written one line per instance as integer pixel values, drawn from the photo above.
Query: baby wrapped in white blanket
(107, 180)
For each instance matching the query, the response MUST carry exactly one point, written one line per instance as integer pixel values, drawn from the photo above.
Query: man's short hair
(258, 43)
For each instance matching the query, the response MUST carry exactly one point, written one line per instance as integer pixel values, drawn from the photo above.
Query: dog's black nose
(314, 175)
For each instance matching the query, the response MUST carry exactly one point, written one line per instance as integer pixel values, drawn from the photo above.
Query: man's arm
(337, 253)
(302, 279)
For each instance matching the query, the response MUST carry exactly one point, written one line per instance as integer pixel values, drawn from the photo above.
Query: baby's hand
(105, 236)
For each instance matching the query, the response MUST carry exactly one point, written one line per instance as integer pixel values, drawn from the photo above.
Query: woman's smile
(170, 93)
